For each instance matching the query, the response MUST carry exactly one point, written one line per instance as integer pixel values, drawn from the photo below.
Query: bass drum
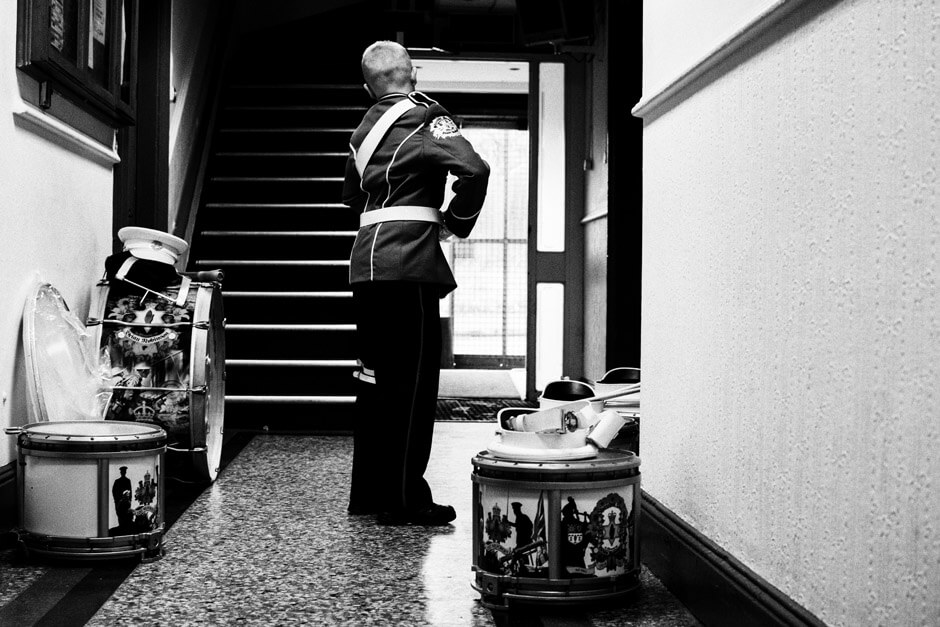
(166, 357)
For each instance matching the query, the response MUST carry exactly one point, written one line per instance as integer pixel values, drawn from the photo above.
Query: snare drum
(556, 532)
(166, 354)
(91, 489)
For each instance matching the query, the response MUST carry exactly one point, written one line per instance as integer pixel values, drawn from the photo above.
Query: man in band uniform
(396, 176)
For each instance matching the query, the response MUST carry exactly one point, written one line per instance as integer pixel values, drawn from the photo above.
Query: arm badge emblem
(443, 127)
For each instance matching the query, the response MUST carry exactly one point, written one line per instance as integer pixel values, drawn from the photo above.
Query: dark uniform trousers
(399, 336)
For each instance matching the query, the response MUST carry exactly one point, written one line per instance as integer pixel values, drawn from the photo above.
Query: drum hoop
(608, 460)
(89, 450)
(147, 438)
(578, 483)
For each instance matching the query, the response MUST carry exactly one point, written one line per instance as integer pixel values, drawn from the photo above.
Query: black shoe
(362, 510)
(433, 514)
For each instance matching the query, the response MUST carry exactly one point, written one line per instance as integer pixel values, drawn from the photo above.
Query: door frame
(567, 267)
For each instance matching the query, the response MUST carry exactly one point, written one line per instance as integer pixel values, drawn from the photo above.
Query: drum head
(63, 380)
(110, 429)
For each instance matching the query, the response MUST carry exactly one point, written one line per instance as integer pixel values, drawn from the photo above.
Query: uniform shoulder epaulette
(421, 98)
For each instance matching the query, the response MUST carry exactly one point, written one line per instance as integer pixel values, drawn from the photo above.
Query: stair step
(289, 216)
(276, 179)
(278, 233)
(290, 341)
(288, 163)
(294, 154)
(288, 139)
(279, 275)
(278, 95)
(268, 307)
(249, 377)
(266, 294)
(293, 363)
(292, 245)
(289, 130)
(217, 263)
(337, 115)
(329, 87)
(287, 400)
(268, 107)
(290, 327)
(282, 190)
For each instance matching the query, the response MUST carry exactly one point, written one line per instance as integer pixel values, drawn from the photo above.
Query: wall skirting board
(713, 585)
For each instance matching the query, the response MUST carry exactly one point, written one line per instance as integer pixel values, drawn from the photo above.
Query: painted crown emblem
(143, 412)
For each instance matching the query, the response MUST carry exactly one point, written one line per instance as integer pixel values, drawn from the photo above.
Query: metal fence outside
(488, 309)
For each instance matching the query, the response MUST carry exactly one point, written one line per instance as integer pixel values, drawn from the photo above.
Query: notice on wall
(57, 24)
(99, 20)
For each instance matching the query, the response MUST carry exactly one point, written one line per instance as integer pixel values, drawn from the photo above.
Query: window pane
(549, 332)
(551, 184)
(489, 306)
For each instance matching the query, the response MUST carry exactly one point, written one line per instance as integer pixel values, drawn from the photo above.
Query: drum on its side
(166, 355)
(557, 533)
(91, 489)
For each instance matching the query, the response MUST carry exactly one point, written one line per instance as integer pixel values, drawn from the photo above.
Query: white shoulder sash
(377, 133)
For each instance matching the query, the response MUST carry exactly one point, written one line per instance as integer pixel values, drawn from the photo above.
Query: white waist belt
(411, 213)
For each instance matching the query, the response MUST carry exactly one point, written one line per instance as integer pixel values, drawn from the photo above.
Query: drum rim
(607, 460)
(145, 432)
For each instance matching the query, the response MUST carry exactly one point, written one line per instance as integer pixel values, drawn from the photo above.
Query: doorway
(519, 271)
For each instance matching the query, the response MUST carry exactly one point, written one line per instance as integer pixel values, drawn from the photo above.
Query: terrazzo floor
(270, 543)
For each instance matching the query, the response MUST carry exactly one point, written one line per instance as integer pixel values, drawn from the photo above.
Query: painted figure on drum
(574, 538)
(517, 546)
(142, 518)
(121, 493)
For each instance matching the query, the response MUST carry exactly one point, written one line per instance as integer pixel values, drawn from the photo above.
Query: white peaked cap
(152, 244)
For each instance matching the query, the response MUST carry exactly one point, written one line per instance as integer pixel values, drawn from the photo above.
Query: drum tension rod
(156, 325)
(198, 449)
(199, 389)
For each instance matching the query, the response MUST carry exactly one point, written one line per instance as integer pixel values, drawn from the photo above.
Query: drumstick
(149, 291)
(630, 389)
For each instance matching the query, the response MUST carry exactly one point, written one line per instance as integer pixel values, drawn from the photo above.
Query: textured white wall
(791, 311)
(686, 31)
(55, 223)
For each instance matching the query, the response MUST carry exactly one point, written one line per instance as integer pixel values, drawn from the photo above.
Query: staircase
(271, 218)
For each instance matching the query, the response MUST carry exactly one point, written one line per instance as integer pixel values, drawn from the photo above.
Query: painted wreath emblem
(610, 528)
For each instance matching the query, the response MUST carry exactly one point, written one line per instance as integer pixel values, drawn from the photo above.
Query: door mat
(476, 409)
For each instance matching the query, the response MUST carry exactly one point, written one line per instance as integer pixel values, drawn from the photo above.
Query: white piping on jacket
(392, 162)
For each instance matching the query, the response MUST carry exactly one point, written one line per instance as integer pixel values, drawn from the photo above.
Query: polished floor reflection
(270, 543)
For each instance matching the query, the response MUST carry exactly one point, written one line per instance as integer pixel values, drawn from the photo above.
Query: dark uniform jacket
(410, 167)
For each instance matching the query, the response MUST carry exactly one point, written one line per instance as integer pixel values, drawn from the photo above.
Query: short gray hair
(384, 64)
